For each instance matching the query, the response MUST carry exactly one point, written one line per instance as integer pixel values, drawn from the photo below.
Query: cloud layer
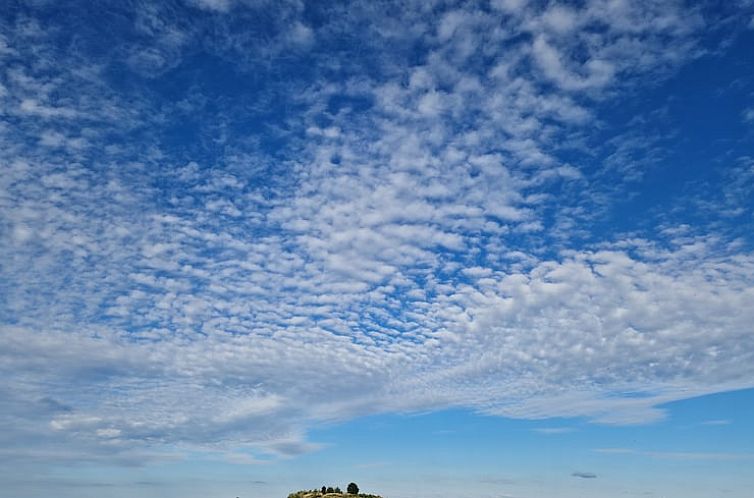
(223, 222)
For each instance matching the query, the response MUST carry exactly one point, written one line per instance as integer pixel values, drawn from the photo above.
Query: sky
(499, 249)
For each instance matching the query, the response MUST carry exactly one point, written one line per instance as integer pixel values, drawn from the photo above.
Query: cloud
(554, 430)
(300, 34)
(584, 475)
(213, 5)
(33, 107)
(694, 456)
(365, 229)
(615, 451)
(679, 455)
(597, 73)
(716, 422)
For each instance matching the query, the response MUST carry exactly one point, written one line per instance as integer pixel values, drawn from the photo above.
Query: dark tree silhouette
(337, 490)
(353, 489)
(324, 489)
(330, 490)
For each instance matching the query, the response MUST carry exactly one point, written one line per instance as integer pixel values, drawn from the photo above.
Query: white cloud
(716, 422)
(398, 258)
(300, 34)
(560, 19)
(595, 73)
(108, 433)
(33, 107)
(554, 430)
(213, 5)
(509, 5)
(679, 455)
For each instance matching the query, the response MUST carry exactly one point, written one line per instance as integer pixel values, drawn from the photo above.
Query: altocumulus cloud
(221, 225)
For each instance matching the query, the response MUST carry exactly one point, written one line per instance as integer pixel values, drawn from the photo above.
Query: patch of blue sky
(457, 445)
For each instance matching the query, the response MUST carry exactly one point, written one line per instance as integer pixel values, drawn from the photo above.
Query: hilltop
(327, 492)
(318, 494)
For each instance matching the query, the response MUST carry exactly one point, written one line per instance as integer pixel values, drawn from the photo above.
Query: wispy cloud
(584, 475)
(716, 422)
(554, 430)
(713, 456)
(679, 455)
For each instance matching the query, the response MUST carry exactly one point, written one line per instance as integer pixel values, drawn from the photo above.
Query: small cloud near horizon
(584, 475)
(554, 430)
(716, 422)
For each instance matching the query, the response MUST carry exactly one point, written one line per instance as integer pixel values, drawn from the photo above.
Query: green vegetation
(330, 492)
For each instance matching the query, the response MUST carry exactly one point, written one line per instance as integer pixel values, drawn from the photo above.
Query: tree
(337, 490)
(353, 489)
(324, 489)
(330, 489)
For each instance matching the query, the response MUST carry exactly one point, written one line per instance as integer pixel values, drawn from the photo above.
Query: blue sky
(494, 249)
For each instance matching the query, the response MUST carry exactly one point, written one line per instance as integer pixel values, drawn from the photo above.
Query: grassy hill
(318, 494)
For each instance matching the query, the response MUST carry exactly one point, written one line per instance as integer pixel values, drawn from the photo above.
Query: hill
(318, 494)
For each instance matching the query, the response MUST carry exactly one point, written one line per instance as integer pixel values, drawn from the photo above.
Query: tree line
(351, 489)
